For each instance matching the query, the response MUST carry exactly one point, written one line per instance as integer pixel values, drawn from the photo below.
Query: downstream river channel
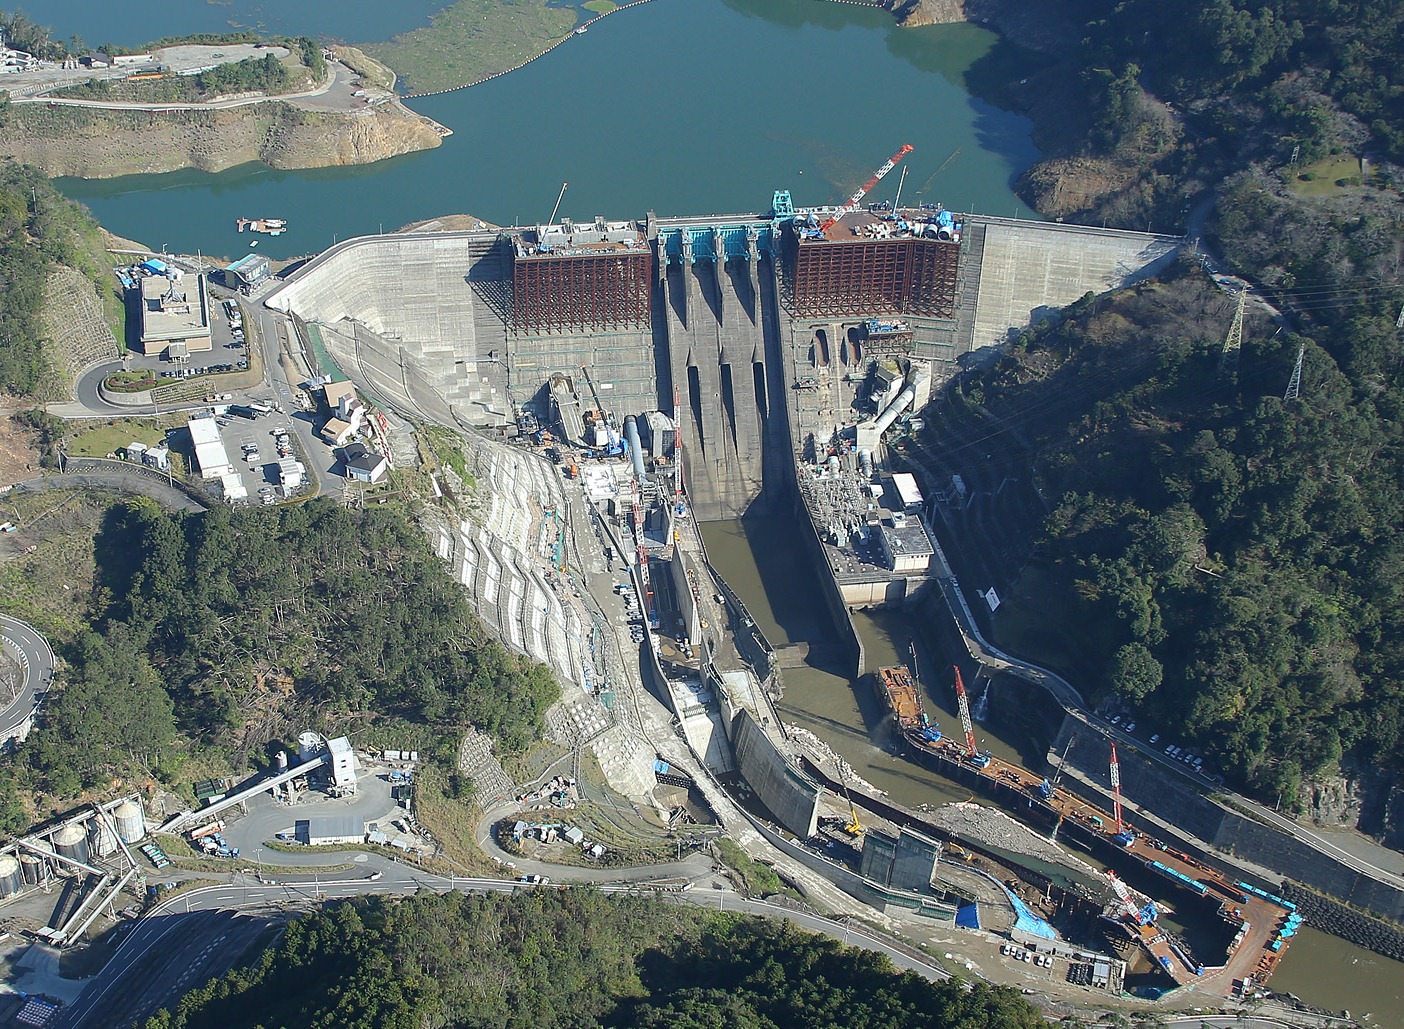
(681, 107)
(763, 560)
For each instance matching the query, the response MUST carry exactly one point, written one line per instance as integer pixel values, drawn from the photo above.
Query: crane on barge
(863, 190)
(973, 755)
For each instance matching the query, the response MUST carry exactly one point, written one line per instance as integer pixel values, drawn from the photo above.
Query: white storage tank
(32, 868)
(10, 880)
(131, 824)
(101, 839)
(71, 842)
(309, 745)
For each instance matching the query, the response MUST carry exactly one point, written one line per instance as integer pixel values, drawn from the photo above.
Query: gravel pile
(983, 825)
(823, 755)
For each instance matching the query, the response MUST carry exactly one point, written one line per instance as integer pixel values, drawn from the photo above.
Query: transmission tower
(1294, 387)
(1228, 360)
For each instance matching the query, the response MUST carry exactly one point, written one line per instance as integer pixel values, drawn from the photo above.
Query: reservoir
(677, 106)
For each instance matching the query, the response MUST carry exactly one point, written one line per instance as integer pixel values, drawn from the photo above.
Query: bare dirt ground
(448, 223)
(19, 457)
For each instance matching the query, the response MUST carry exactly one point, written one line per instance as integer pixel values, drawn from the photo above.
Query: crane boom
(854, 200)
(1116, 789)
(963, 704)
(677, 450)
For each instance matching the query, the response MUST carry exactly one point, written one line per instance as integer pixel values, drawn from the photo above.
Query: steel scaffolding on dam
(713, 314)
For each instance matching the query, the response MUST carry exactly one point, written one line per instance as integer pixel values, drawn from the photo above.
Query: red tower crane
(853, 201)
(963, 705)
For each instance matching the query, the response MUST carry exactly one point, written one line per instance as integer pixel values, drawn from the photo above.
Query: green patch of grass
(130, 382)
(1326, 177)
(473, 39)
(600, 6)
(110, 436)
(757, 879)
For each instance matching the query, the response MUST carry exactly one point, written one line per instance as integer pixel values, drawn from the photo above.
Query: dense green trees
(573, 959)
(229, 628)
(1234, 558)
(1297, 57)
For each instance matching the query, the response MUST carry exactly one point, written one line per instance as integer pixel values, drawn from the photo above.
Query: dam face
(757, 332)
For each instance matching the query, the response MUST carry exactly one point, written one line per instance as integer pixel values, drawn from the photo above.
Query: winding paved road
(129, 973)
(36, 660)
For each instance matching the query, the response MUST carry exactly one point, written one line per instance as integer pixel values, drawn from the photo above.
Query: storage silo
(10, 880)
(71, 842)
(131, 824)
(32, 868)
(101, 839)
(309, 745)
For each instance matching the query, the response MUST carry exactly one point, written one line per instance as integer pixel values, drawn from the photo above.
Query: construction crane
(1140, 915)
(585, 372)
(855, 826)
(973, 754)
(1123, 836)
(854, 200)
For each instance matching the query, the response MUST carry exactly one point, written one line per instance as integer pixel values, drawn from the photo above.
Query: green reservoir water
(678, 106)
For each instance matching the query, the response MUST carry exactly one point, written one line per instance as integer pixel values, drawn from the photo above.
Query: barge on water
(270, 226)
(1262, 923)
(897, 691)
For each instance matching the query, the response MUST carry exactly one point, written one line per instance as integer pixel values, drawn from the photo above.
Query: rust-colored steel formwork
(606, 291)
(876, 276)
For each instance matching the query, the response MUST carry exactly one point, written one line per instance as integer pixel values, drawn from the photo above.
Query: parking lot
(255, 446)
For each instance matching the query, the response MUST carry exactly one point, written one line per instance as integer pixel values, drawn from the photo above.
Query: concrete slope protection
(36, 660)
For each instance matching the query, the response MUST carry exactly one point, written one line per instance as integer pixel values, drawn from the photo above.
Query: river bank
(99, 143)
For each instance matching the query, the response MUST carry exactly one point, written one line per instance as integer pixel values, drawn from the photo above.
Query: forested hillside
(1229, 562)
(39, 228)
(1232, 560)
(226, 630)
(549, 959)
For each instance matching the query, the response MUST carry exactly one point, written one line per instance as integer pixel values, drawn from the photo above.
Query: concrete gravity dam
(758, 331)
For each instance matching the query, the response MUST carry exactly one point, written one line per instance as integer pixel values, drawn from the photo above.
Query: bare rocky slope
(97, 144)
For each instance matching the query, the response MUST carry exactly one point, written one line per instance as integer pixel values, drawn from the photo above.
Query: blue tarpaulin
(1028, 922)
(968, 916)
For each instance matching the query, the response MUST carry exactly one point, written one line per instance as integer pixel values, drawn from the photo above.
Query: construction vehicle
(863, 190)
(976, 757)
(854, 827)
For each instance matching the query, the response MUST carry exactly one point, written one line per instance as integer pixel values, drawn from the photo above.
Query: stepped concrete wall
(1029, 269)
(788, 794)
